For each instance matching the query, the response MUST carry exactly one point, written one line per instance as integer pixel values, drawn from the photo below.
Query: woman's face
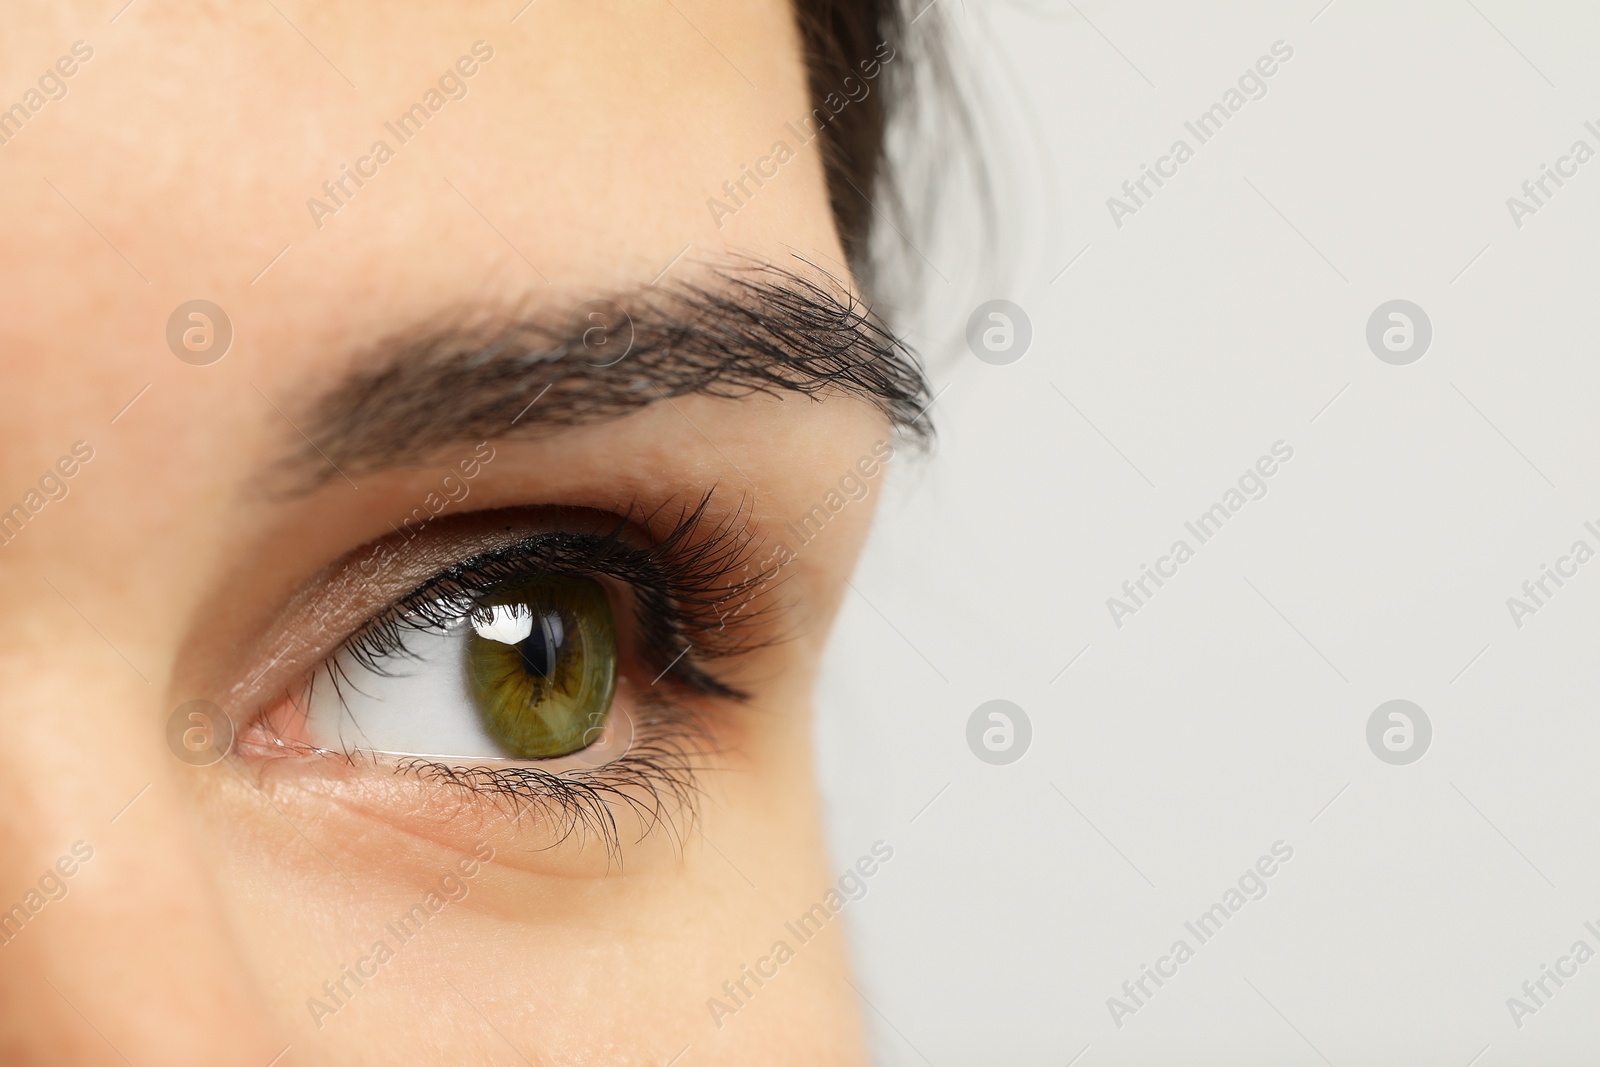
(630, 525)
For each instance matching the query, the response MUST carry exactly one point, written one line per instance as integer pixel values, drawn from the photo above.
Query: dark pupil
(541, 649)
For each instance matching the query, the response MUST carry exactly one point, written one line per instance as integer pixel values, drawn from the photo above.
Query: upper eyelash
(694, 592)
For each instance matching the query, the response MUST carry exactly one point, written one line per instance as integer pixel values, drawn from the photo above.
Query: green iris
(542, 664)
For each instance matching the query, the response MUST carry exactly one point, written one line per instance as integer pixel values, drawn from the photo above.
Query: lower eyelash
(657, 779)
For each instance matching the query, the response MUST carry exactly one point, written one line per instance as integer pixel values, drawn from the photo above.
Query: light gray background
(1228, 314)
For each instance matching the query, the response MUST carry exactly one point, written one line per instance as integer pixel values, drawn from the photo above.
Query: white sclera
(420, 706)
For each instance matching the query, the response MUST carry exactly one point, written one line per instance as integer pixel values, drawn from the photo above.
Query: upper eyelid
(679, 608)
(463, 582)
(714, 547)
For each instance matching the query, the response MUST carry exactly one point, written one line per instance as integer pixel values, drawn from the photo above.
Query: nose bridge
(114, 946)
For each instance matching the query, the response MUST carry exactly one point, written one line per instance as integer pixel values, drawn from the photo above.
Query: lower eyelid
(653, 785)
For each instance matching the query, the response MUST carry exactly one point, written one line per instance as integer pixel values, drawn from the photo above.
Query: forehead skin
(191, 143)
(178, 166)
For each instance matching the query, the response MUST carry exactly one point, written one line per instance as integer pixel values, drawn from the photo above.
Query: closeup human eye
(570, 666)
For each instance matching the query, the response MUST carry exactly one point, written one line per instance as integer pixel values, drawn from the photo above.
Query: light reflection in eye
(507, 623)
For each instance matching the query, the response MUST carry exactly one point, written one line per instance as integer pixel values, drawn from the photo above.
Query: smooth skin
(219, 899)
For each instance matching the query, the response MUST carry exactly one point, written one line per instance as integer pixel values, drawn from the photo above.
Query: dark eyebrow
(754, 329)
